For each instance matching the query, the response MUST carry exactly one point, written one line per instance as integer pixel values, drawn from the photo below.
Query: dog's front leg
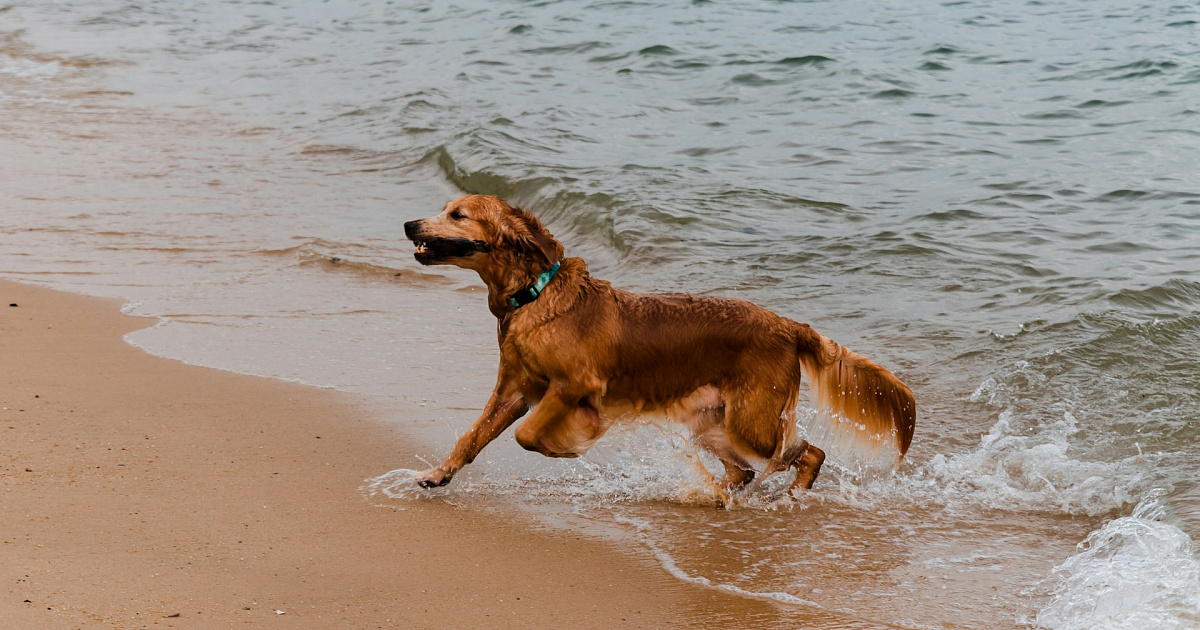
(504, 407)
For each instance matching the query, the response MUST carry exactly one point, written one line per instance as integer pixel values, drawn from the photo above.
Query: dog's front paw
(434, 478)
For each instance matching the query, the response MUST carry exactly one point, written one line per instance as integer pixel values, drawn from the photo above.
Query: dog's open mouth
(432, 250)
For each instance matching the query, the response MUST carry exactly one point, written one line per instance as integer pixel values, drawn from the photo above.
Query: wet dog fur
(584, 355)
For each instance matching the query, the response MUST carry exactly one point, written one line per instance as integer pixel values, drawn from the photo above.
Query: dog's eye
(457, 215)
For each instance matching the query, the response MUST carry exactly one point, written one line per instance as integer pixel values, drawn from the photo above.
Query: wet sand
(136, 487)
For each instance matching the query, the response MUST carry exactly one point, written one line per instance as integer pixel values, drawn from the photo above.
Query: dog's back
(653, 352)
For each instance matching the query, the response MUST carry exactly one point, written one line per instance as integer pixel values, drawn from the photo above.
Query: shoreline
(136, 487)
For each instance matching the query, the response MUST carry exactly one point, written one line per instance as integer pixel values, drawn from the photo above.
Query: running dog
(582, 355)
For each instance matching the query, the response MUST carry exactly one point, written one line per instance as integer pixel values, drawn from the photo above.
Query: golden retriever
(582, 355)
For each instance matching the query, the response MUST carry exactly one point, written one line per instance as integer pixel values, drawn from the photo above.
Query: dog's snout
(411, 228)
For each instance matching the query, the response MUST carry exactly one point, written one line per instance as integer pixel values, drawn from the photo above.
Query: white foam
(28, 68)
(1015, 467)
(1035, 470)
(1137, 572)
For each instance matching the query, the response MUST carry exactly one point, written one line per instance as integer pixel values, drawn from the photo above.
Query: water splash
(649, 463)
(1017, 469)
(1139, 571)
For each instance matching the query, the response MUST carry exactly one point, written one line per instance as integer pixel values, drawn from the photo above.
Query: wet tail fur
(861, 405)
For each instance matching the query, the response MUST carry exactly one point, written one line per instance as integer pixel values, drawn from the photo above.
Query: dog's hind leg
(703, 413)
(737, 476)
(764, 418)
(805, 458)
(807, 465)
(738, 470)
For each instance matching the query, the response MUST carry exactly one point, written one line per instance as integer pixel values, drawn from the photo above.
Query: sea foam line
(668, 563)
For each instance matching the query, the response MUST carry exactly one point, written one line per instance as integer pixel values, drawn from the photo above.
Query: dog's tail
(861, 406)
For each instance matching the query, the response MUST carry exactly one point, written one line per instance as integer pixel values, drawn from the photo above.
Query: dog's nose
(411, 228)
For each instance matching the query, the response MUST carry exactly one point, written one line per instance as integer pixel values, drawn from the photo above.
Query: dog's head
(479, 231)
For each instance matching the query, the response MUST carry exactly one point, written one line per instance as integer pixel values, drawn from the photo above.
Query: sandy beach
(140, 492)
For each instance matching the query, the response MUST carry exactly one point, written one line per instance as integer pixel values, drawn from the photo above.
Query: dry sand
(135, 487)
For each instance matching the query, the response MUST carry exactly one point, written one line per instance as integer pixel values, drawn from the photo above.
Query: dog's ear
(547, 245)
(533, 235)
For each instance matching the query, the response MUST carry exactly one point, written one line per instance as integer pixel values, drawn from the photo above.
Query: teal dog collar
(531, 292)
